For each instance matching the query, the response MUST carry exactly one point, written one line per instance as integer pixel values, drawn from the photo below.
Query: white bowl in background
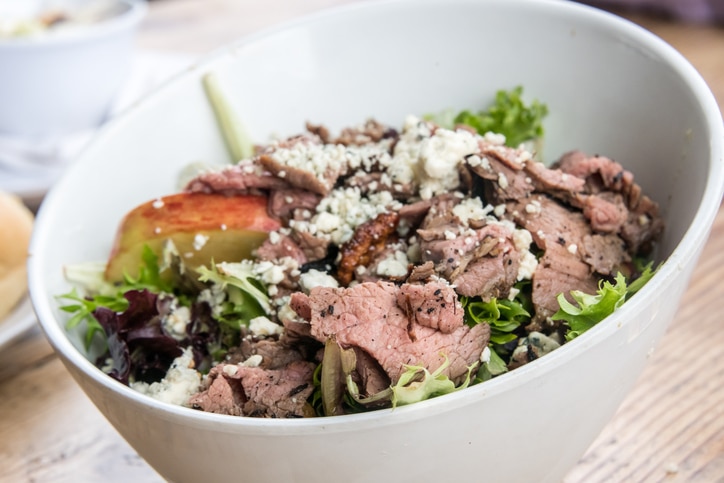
(611, 88)
(62, 82)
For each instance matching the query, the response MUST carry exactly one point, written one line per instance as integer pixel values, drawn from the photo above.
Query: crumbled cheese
(253, 361)
(429, 159)
(524, 156)
(158, 203)
(485, 355)
(522, 240)
(533, 207)
(315, 278)
(274, 237)
(286, 313)
(502, 180)
(471, 209)
(527, 266)
(318, 159)
(230, 370)
(199, 241)
(495, 138)
(176, 321)
(180, 383)
(214, 296)
(394, 265)
(340, 212)
(269, 272)
(450, 235)
(572, 248)
(262, 326)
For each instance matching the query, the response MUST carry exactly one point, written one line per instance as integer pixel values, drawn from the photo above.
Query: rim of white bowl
(684, 252)
(127, 20)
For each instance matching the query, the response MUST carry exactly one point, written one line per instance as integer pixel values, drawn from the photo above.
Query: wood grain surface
(669, 429)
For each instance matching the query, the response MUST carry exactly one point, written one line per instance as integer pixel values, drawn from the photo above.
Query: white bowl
(611, 88)
(64, 82)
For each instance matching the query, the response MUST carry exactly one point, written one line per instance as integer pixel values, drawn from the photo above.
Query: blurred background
(55, 93)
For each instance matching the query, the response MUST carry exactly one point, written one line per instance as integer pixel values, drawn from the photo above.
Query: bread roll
(16, 224)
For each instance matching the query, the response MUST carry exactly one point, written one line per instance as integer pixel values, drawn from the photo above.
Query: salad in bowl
(325, 274)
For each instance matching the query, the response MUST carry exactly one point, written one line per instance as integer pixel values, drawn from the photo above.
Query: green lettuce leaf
(99, 293)
(508, 116)
(504, 316)
(588, 310)
(418, 384)
(245, 297)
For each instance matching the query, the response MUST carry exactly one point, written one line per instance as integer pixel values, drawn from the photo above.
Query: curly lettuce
(588, 310)
(509, 116)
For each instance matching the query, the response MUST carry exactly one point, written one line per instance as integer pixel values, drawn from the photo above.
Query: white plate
(19, 321)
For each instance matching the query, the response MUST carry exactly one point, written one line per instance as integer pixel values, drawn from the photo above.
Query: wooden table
(670, 428)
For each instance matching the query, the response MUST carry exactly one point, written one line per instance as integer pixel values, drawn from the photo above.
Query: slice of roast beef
(314, 248)
(243, 178)
(642, 225)
(370, 132)
(558, 272)
(504, 183)
(481, 261)
(292, 204)
(282, 246)
(606, 254)
(240, 390)
(562, 233)
(422, 273)
(605, 211)
(368, 316)
(431, 305)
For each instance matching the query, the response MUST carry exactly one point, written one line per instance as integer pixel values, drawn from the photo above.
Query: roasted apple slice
(202, 226)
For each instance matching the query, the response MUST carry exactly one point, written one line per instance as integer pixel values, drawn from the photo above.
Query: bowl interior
(611, 89)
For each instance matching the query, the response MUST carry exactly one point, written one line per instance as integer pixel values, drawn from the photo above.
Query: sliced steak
(606, 254)
(371, 132)
(239, 390)
(481, 261)
(243, 178)
(314, 248)
(368, 316)
(642, 225)
(432, 305)
(558, 272)
(292, 204)
(282, 246)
